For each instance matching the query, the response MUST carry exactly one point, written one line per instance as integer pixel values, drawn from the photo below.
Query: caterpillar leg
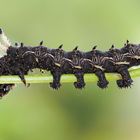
(56, 79)
(21, 76)
(80, 83)
(5, 88)
(102, 81)
(126, 80)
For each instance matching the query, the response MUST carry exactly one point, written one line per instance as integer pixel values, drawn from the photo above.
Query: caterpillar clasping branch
(19, 59)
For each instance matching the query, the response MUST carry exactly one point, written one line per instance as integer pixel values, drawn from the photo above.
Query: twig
(67, 78)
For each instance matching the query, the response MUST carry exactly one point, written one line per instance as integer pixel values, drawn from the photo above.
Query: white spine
(4, 43)
(4, 40)
(3, 50)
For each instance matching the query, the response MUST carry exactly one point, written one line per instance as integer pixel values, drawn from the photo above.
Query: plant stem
(66, 78)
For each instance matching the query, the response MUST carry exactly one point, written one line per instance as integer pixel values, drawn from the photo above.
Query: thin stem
(67, 78)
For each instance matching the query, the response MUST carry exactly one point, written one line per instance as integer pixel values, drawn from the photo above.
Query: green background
(39, 112)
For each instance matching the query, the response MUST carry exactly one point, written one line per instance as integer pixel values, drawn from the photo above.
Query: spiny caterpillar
(20, 59)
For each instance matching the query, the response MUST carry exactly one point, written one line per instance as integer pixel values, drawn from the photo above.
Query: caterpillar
(19, 59)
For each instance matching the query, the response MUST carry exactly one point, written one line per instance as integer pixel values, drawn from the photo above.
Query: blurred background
(39, 112)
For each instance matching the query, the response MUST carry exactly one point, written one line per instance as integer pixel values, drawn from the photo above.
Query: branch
(66, 78)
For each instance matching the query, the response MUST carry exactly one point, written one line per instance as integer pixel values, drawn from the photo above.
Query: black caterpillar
(20, 59)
